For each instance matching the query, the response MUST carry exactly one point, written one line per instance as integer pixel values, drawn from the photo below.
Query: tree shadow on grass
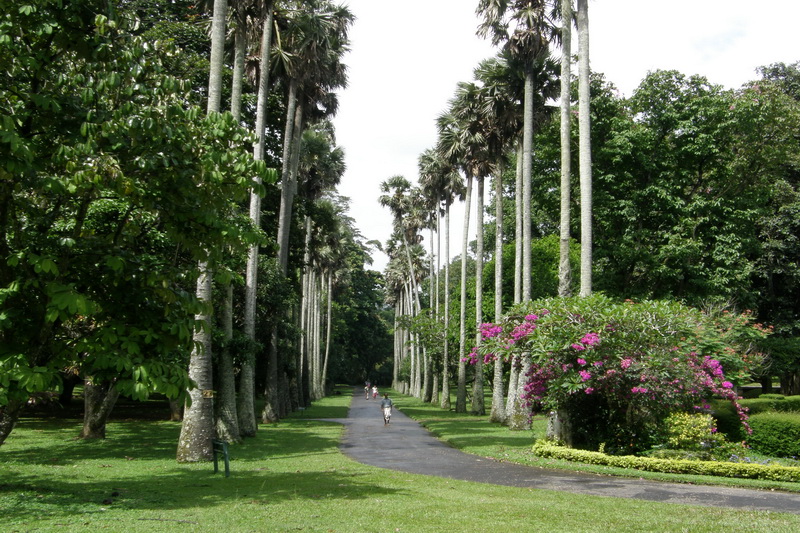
(463, 433)
(136, 470)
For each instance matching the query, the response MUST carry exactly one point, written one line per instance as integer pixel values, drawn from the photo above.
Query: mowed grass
(476, 435)
(292, 477)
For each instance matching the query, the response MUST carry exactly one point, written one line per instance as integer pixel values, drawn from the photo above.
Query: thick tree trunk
(559, 427)
(478, 403)
(197, 430)
(9, 414)
(227, 419)
(564, 268)
(519, 416)
(585, 147)
(513, 383)
(99, 400)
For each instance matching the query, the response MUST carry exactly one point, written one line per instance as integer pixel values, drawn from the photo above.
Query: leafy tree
(105, 211)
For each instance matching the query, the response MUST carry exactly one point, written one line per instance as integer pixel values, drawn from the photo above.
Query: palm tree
(466, 139)
(310, 52)
(197, 430)
(246, 397)
(585, 148)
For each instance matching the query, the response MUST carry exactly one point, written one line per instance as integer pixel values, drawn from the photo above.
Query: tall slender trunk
(527, 151)
(445, 404)
(498, 412)
(478, 403)
(564, 269)
(518, 229)
(327, 332)
(585, 148)
(461, 395)
(247, 389)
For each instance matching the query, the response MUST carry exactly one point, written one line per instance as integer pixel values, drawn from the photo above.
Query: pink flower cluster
(489, 330)
(589, 340)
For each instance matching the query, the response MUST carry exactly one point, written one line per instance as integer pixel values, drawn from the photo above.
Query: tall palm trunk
(290, 147)
(446, 349)
(327, 332)
(247, 390)
(498, 412)
(197, 430)
(478, 403)
(527, 151)
(461, 394)
(564, 269)
(518, 229)
(584, 148)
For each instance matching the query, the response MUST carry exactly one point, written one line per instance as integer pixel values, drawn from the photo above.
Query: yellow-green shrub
(674, 466)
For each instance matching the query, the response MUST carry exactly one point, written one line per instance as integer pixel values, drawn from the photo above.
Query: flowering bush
(616, 370)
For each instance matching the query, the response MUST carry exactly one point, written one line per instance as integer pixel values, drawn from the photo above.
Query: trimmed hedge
(728, 420)
(672, 466)
(776, 434)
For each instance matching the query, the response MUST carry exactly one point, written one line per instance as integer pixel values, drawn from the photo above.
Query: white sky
(407, 57)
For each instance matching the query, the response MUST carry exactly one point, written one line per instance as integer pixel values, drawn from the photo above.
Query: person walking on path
(374, 392)
(386, 407)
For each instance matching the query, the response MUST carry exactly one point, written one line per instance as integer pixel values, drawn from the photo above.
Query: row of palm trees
(487, 118)
(302, 43)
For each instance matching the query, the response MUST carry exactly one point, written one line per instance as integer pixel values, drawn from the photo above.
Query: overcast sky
(407, 57)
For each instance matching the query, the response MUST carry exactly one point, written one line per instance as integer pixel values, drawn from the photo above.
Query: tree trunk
(445, 404)
(559, 427)
(513, 384)
(527, 150)
(498, 412)
(519, 416)
(247, 388)
(461, 395)
(327, 333)
(9, 414)
(585, 148)
(99, 400)
(518, 228)
(478, 403)
(564, 268)
(227, 420)
(197, 430)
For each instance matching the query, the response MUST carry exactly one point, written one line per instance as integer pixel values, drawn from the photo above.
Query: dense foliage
(615, 371)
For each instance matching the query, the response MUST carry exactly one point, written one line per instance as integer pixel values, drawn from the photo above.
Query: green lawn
(292, 477)
(476, 435)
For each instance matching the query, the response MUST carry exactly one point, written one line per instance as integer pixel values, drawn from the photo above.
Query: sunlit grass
(292, 477)
(476, 435)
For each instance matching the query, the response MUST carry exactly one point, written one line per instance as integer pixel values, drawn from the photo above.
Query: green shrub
(773, 396)
(776, 434)
(728, 420)
(692, 432)
(673, 466)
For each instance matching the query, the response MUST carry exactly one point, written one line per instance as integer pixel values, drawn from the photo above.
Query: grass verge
(476, 435)
(292, 477)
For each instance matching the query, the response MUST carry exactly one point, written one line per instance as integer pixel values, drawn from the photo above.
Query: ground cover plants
(293, 477)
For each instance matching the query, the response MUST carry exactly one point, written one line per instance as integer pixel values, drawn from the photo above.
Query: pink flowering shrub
(617, 370)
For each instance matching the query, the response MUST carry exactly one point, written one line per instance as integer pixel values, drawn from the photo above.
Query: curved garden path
(406, 446)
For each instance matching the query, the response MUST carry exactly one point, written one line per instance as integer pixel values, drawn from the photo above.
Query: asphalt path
(406, 446)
